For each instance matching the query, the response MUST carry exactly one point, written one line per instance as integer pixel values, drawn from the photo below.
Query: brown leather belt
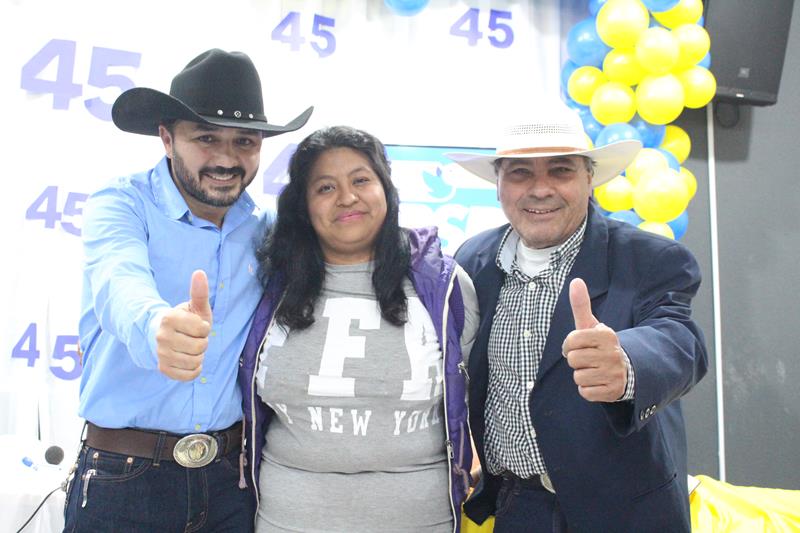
(192, 451)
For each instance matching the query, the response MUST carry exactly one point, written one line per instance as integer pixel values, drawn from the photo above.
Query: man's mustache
(236, 171)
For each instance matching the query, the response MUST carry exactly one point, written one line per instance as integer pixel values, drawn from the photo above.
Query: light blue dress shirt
(141, 246)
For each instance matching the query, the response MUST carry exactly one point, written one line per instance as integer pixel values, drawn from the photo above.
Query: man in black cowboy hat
(158, 391)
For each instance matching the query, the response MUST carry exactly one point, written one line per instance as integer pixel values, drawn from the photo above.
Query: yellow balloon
(615, 195)
(659, 99)
(613, 102)
(660, 195)
(648, 159)
(685, 12)
(693, 44)
(699, 86)
(583, 82)
(677, 142)
(659, 228)
(619, 22)
(621, 65)
(689, 180)
(657, 50)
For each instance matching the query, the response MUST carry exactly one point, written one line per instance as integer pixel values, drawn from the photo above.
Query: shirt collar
(166, 193)
(507, 252)
(169, 199)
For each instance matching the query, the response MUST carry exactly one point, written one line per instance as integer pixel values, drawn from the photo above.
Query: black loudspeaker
(748, 45)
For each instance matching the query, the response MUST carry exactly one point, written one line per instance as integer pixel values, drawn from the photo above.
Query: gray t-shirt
(357, 443)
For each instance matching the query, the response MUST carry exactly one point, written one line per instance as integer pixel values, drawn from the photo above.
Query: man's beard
(219, 196)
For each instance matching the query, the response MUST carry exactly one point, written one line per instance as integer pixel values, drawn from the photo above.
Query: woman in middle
(353, 375)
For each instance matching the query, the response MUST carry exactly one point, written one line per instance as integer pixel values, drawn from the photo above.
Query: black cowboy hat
(216, 87)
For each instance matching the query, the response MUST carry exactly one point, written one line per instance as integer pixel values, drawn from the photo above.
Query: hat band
(523, 151)
(231, 113)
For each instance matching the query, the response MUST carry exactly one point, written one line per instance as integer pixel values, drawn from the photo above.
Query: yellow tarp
(468, 526)
(719, 507)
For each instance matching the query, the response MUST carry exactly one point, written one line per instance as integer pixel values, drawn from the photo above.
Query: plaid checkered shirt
(519, 331)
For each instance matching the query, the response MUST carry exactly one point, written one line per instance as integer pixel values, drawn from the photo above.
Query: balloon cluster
(633, 66)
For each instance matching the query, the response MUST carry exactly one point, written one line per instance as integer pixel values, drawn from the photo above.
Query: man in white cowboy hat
(584, 348)
(169, 289)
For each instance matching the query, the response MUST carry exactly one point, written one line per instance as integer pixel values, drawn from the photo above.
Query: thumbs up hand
(593, 351)
(182, 337)
(198, 296)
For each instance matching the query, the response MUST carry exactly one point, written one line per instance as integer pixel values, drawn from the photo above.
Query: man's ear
(166, 138)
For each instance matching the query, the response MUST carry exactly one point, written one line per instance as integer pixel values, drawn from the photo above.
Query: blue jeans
(129, 494)
(526, 507)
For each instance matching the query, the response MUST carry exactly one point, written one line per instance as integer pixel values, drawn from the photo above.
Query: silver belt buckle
(546, 483)
(196, 450)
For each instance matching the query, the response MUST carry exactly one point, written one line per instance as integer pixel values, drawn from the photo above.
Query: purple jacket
(433, 277)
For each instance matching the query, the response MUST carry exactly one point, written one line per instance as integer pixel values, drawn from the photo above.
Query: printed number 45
(45, 207)
(63, 88)
(467, 26)
(288, 31)
(26, 349)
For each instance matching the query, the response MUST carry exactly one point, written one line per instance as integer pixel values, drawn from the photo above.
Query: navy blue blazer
(615, 466)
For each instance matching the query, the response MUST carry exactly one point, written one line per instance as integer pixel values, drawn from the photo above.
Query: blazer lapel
(591, 265)
(487, 280)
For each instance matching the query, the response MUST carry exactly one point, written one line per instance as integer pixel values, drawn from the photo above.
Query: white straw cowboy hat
(554, 131)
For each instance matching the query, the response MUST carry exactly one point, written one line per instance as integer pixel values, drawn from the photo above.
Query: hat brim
(141, 110)
(610, 160)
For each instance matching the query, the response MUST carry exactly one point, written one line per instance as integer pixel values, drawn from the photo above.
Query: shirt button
(203, 380)
(531, 285)
(197, 427)
(533, 433)
(213, 333)
(529, 385)
(526, 333)
(222, 285)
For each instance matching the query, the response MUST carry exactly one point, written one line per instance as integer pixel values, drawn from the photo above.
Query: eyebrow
(354, 171)
(200, 126)
(361, 169)
(555, 160)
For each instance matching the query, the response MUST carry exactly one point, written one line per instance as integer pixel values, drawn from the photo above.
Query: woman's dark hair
(291, 249)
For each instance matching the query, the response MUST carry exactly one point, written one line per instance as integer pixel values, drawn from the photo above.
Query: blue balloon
(584, 46)
(628, 216)
(566, 71)
(701, 21)
(660, 5)
(651, 134)
(671, 159)
(595, 5)
(572, 103)
(619, 131)
(407, 8)
(679, 225)
(590, 124)
(706, 61)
